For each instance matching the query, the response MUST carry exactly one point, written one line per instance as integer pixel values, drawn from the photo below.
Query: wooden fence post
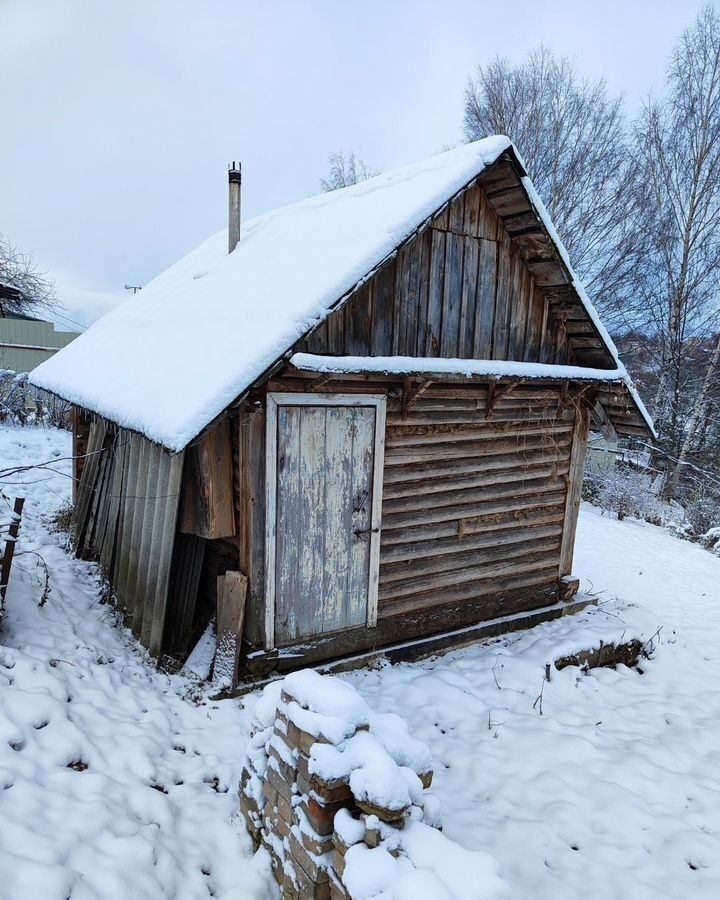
(10, 542)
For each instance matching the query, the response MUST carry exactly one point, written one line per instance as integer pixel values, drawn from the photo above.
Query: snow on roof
(462, 368)
(167, 361)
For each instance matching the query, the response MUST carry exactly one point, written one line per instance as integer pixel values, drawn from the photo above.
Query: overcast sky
(119, 116)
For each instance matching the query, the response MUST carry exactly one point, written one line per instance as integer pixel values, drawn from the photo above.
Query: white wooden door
(324, 493)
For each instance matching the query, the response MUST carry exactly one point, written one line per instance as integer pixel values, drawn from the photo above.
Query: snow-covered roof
(170, 359)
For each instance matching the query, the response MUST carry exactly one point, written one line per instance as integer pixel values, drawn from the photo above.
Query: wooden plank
(485, 304)
(456, 214)
(253, 537)
(433, 475)
(167, 542)
(520, 306)
(536, 484)
(540, 571)
(416, 492)
(307, 526)
(107, 555)
(436, 289)
(472, 552)
(88, 483)
(383, 310)
(231, 598)
(152, 551)
(501, 528)
(338, 503)
(151, 500)
(355, 608)
(442, 219)
(501, 325)
(574, 488)
(479, 509)
(478, 566)
(471, 221)
(285, 560)
(207, 507)
(452, 296)
(468, 304)
(402, 272)
(423, 331)
(138, 492)
(128, 510)
(490, 227)
(358, 317)
(479, 519)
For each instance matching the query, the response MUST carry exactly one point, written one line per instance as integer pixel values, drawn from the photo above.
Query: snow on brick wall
(338, 795)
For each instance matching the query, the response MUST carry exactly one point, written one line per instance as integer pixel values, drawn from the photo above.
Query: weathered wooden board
(324, 494)
(231, 596)
(207, 508)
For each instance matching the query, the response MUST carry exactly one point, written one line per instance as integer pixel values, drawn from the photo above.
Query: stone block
(317, 844)
(279, 783)
(391, 816)
(338, 890)
(279, 825)
(372, 837)
(320, 815)
(312, 890)
(328, 791)
(426, 778)
(287, 771)
(308, 862)
(284, 808)
(338, 862)
(271, 794)
(569, 586)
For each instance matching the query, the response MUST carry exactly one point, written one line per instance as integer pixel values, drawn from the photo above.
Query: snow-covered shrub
(711, 540)
(13, 397)
(22, 404)
(625, 492)
(702, 513)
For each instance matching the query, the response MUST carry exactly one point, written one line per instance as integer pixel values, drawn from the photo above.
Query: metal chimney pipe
(234, 187)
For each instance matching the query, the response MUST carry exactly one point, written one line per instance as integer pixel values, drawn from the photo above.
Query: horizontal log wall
(472, 506)
(459, 289)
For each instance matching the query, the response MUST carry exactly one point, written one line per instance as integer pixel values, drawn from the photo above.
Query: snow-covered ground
(116, 783)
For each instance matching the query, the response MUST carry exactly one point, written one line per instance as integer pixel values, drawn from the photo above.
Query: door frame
(274, 400)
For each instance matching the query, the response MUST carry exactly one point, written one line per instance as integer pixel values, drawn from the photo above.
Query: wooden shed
(375, 408)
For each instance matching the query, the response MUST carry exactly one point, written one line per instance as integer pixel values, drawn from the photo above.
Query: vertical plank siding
(125, 517)
(459, 289)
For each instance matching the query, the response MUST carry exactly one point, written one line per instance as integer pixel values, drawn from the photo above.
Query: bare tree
(574, 141)
(24, 289)
(678, 147)
(344, 171)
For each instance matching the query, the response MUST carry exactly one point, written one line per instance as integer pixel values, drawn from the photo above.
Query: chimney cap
(234, 172)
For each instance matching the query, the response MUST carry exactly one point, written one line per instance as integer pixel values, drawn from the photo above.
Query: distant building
(26, 342)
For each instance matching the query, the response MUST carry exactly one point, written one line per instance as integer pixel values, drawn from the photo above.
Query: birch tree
(678, 149)
(574, 140)
(345, 170)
